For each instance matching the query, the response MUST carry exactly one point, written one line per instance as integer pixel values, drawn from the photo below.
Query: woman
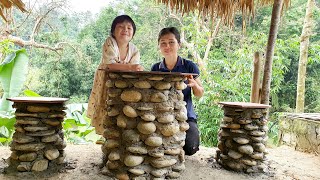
(118, 53)
(169, 44)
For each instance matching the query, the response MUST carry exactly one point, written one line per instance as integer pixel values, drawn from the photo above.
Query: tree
(275, 19)
(304, 46)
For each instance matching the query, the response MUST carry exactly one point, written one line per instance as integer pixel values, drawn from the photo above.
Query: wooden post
(255, 85)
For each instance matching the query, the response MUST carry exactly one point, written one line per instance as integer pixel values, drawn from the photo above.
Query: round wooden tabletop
(38, 99)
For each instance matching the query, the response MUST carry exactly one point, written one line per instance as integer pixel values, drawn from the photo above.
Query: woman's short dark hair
(121, 19)
(169, 30)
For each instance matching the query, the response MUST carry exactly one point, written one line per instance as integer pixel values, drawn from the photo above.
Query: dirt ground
(83, 162)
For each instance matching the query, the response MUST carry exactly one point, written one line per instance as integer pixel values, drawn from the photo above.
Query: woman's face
(123, 32)
(169, 45)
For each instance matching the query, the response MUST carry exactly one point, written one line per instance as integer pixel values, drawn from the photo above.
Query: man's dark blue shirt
(182, 66)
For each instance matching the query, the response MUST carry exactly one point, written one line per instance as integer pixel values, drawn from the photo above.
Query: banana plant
(13, 73)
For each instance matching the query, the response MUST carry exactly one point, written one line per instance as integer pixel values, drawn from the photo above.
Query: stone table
(145, 125)
(38, 143)
(242, 136)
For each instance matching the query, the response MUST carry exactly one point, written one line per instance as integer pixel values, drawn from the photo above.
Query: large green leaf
(13, 73)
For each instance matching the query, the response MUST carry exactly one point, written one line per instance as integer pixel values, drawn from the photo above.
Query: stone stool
(242, 136)
(38, 143)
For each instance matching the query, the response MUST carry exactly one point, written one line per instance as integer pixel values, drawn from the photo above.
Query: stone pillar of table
(145, 125)
(242, 137)
(38, 143)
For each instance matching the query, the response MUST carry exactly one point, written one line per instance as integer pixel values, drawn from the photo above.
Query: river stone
(51, 122)
(110, 133)
(40, 165)
(113, 112)
(34, 129)
(42, 133)
(131, 123)
(146, 127)
(113, 164)
(114, 155)
(132, 160)
(234, 154)
(130, 136)
(129, 111)
(258, 156)
(249, 162)
(235, 166)
(14, 155)
(172, 151)
(241, 140)
(153, 141)
(109, 83)
(257, 133)
(51, 154)
(163, 163)
(37, 109)
(184, 126)
(21, 138)
(224, 133)
(161, 85)
(148, 117)
(257, 139)
(19, 129)
(265, 128)
(158, 97)
(131, 96)
(159, 172)
(142, 85)
(245, 121)
(136, 171)
(122, 121)
(110, 143)
(155, 78)
(122, 176)
(61, 158)
(121, 84)
(29, 147)
(246, 149)
(227, 119)
(114, 92)
(180, 85)
(179, 167)
(250, 127)
(27, 122)
(181, 116)
(137, 150)
(129, 76)
(26, 115)
(169, 129)
(166, 118)
(156, 154)
(173, 175)
(24, 166)
(238, 131)
(28, 157)
(256, 115)
(114, 76)
(259, 147)
(54, 115)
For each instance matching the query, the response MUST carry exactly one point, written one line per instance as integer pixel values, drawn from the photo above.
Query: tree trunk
(304, 45)
(255, 86)
(275, 19)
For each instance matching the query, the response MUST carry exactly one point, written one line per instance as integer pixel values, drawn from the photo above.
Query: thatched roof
(7, 4)
(224, 9)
